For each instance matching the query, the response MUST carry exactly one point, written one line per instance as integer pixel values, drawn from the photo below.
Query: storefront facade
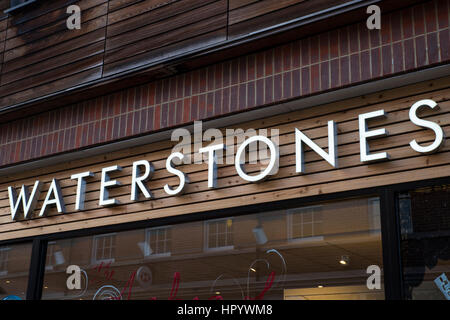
(373, 202)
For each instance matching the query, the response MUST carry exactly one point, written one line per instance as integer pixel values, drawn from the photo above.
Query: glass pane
(424, 216)
(260, 260)
(14, 269)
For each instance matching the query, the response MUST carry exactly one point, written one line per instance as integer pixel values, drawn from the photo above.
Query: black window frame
(390, 231)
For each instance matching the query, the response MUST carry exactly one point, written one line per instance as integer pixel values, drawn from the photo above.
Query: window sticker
(443, 284)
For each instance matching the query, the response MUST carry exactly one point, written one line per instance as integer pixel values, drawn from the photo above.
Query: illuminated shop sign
(142, 170)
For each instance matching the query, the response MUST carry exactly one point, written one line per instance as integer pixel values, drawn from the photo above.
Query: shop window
(223, 258)
(424, 216)
(219, 234)
(158, 242)
(14, 269)
(305, 223)
(104, 248)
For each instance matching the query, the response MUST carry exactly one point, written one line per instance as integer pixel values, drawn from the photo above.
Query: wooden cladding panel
(4, 4)
(405, 165)
(147, 31)
(248, 16)
(38, 51)
(42, 56)
(245, 10)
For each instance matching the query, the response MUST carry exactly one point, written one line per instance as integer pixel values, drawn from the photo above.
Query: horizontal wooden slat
(55, 39)
(171, 50)
(176, 35)
(242, 22)
(43, 8)
(40, 26)
(49, 64)
(51, 75)
(55, 50)
(51, 87)
(259, 8)
(118, 4)
(54, 28)
(136, 11)
(161, 27)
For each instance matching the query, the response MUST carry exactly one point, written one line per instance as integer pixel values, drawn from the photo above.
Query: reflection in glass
(14, 268)
(424, 216)
(284, 254)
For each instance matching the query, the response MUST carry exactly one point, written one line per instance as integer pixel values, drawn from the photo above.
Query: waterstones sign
(23, 202)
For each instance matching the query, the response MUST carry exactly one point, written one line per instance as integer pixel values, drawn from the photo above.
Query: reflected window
(219, 234)
(4, 260)
(49, 262)
(158, 242)
(374, 214)
(104, 248)
(305, 223)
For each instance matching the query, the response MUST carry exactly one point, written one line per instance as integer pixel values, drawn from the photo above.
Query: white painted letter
(81, 188)
(330, 157)
(137, 181)
(28, 202)
(183, 178)
(212, 163)
(270, 169)
(54, 190)
(364, 134)
(439, 140)
(105, 183)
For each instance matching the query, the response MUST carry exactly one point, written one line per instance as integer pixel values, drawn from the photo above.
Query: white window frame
(94, 249)
(147, 247)
(290, 225)
(206, 226)
(5, 249)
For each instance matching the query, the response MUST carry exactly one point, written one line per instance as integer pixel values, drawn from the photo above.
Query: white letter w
(28, 201)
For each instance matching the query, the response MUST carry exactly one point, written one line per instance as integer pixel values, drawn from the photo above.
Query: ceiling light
(345, 260)
(260, 235)
(253, 269)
